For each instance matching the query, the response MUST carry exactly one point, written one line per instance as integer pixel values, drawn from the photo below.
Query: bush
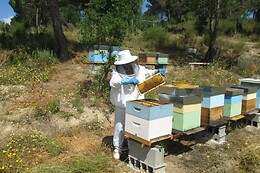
(227, 27)
(156, 36)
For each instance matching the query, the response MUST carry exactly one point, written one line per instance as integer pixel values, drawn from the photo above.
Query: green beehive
(162, 59)
(231, 110)
(186, 121)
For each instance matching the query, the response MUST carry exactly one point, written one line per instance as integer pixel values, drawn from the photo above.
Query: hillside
(81, 141)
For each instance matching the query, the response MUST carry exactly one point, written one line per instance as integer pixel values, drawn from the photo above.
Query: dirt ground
(184, 155)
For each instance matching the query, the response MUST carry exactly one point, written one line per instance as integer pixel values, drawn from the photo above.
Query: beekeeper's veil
(127, 64)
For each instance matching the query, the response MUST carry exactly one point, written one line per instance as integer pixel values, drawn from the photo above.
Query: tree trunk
(62, 46)
(213, 28)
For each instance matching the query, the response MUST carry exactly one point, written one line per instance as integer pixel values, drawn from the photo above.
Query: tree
(31, 12)
(214, 10)
(109, 21)
(62, 51)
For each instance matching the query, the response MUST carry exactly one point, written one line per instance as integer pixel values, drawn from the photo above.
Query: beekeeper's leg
(119, 130)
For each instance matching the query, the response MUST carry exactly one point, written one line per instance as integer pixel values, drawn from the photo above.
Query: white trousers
(119, 127)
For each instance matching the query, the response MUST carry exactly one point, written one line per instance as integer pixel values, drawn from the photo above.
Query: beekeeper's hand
(126, 81)
(161, 70)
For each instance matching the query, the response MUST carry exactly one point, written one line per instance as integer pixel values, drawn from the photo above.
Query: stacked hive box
(253, 83)
(212, 108)
(249, 98)
(162, 59)
(99, 55)
(187, 105)
(142, 58)
(233, 102)
(151, 58)
(115, 52)
(143, 117)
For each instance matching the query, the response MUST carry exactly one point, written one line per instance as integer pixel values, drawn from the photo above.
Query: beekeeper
(125, 75)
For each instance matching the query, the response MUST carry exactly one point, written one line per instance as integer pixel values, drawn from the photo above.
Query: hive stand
(146, 158)
(253, 119)
(216, 133)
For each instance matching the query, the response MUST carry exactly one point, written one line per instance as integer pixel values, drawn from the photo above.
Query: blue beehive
(115, 53)
(143, 117)
(212, 106)
(98, 56)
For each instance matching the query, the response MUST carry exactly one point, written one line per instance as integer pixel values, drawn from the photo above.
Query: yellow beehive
(150, 84)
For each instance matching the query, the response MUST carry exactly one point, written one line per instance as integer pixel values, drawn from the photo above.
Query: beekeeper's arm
(117, 80)
(149, 73)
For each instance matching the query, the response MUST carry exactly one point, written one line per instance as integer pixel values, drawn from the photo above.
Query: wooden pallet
(146, 142)
(189, 132)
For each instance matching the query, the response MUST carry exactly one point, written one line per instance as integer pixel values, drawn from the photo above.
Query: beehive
(248, 99)
(98, 56)
(253, 83)
(187, 105)
(142, 57)
(151, 59)
(150, 84)
(162, 58)
(180, 90)
(212, 107)
(143, 117)
(233, 102)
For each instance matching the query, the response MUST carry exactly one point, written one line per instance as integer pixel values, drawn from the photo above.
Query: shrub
(156, 36)
(227, 27)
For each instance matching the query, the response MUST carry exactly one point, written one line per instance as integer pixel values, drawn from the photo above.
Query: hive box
(101, 47)
(142, 57)
(253, 83)
(186, 117)
(115, 50)
(178, 91)
(249, 98)
(212, 107)
(187, 105)
(98, 56)
(162, 58)
(148, 119)
(151, 59)
(233, 102)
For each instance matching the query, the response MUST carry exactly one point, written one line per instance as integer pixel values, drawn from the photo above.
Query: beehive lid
(150, 84)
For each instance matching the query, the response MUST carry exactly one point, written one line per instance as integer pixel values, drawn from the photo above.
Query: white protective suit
(119, 94)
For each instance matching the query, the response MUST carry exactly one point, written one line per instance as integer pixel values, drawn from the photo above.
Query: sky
(6, 11)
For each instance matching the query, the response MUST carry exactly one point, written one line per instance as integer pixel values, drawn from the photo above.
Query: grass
(21, 150)
(92, 163)
(213, 75)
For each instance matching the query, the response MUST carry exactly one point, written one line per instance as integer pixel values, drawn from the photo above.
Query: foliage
(156, 36)
(77, 104)
(227, 27)
(105, 22)
(42, 109)
(21, 67)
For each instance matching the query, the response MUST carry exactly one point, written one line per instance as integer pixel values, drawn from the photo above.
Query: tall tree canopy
(108, 21)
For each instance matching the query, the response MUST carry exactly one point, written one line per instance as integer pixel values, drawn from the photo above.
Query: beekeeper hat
(125, 57)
